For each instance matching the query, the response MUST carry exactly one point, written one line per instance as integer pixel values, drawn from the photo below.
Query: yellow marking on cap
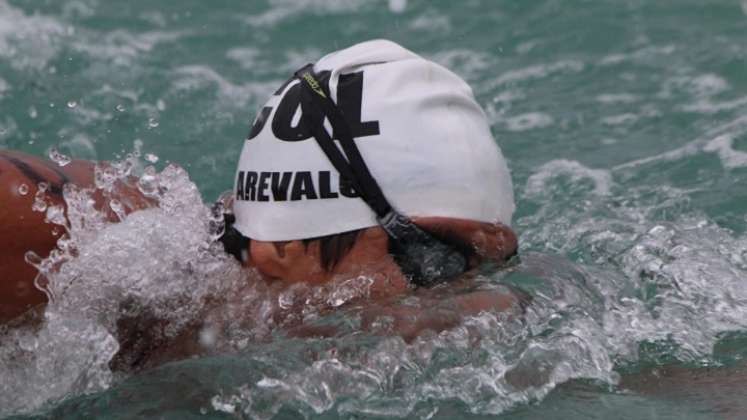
(314, 84)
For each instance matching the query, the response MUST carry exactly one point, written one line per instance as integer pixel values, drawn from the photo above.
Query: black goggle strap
(316, 104)
(422, 257)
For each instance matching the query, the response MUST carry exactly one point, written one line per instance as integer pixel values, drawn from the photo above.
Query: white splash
(161, 261)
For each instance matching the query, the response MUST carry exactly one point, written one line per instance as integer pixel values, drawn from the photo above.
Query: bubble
(58, 158)
(152, 123)
(33, 113)
(72, 104)
(120, 108)
(23, 189)
(150, 157)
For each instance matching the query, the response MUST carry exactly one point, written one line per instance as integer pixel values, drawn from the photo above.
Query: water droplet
(120, 108)
(51, 104)
(148, 182)
(160, 105)
(58, 158)
(150, 157)
(33, 113)
(23, 189)
(152, 123)
(40, 204)
(56, 215)
(72, 104)
(117, 208)
(32, 258)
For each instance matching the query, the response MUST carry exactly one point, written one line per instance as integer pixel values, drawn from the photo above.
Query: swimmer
(372, 162)
(398, 179)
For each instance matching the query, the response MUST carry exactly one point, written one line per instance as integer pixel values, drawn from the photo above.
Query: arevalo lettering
(290, 186)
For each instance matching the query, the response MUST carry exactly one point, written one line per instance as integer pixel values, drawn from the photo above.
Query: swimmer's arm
(22, 229)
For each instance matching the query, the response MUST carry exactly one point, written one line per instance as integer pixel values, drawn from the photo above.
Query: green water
(625, 127)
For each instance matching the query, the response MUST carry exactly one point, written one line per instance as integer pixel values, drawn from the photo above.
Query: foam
(538, 182)
(187, 78)
(529, 121)
(281, 10)
(708, 106)
(397, 6)
(467, 63)
(620, 119)
(723, 146)
(735, 127)
(617, 98)
(28, 41)
(123, 47)
(431, 22)
(538, 72)
(637, 55)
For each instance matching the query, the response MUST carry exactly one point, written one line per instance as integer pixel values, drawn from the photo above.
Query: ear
(264, 256)
(291, 260)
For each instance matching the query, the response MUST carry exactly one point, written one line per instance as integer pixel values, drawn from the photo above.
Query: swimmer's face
(294, 262)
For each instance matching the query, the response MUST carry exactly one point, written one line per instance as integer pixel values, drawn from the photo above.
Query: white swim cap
(418, 128)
